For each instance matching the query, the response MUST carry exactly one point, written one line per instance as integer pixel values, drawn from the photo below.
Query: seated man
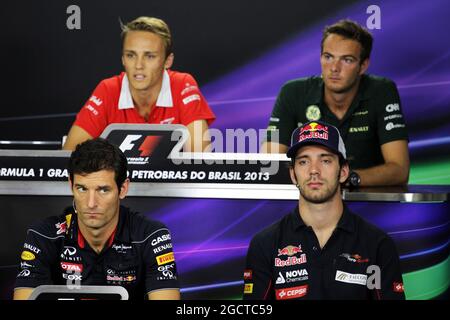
(321, 250)
(98, 241)
(147, 92)
(366, 109)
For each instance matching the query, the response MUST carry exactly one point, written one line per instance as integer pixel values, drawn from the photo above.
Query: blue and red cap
(317, 132)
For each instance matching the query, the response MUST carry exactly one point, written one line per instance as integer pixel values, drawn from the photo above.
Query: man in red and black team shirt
(321, 250)
(147, 92)
(98, 241)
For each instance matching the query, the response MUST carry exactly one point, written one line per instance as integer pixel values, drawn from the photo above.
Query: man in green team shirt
(365, 108)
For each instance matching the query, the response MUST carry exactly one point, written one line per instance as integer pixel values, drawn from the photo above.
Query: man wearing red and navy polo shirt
(147, 92)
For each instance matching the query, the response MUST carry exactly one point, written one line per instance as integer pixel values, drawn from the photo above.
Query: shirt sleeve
(282, 121)
(36, 259)
(258, 272)
(391, 122)
(193, 105)
(159, 261)
(391, 281)
(93, 116)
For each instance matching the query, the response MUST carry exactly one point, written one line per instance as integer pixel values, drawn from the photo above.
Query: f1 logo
(127, 142)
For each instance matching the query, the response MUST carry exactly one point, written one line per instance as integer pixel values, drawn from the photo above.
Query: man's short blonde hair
(150, 24)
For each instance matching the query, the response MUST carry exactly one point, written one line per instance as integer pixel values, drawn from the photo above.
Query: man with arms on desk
(98, 241)
(366, 109)
(147, 92)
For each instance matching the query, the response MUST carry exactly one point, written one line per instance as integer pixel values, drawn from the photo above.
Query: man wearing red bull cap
(365, 108)
(321, 250)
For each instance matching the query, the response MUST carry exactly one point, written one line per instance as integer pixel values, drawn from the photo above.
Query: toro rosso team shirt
(138, 256)
(359, 261)
(179, 102)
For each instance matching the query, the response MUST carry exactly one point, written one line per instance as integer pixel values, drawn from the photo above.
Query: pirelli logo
(165, 258)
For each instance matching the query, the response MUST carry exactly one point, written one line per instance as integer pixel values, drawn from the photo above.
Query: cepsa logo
(131, 145)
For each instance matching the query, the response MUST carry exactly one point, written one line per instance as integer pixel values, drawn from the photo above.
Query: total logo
(72, 277)
(291, 293)
(292, 276)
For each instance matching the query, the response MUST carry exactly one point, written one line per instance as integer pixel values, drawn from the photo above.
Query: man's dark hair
(350, 30)
(95, 155)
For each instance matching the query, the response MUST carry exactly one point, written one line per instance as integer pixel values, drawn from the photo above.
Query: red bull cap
(317, 132)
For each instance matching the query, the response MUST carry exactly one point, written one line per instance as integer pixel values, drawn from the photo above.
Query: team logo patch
(313, 130)
(62, 227)
(290, 250)
(354, 258)
(291, 293)
(353, 278)
(165, 258)
(398, 287)
(291, 261)
(67, 266)
(191, 98)
(248, 274)
(248, 288)
(24, 273)
(313, 113)
(292, 276)
(27, 256)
